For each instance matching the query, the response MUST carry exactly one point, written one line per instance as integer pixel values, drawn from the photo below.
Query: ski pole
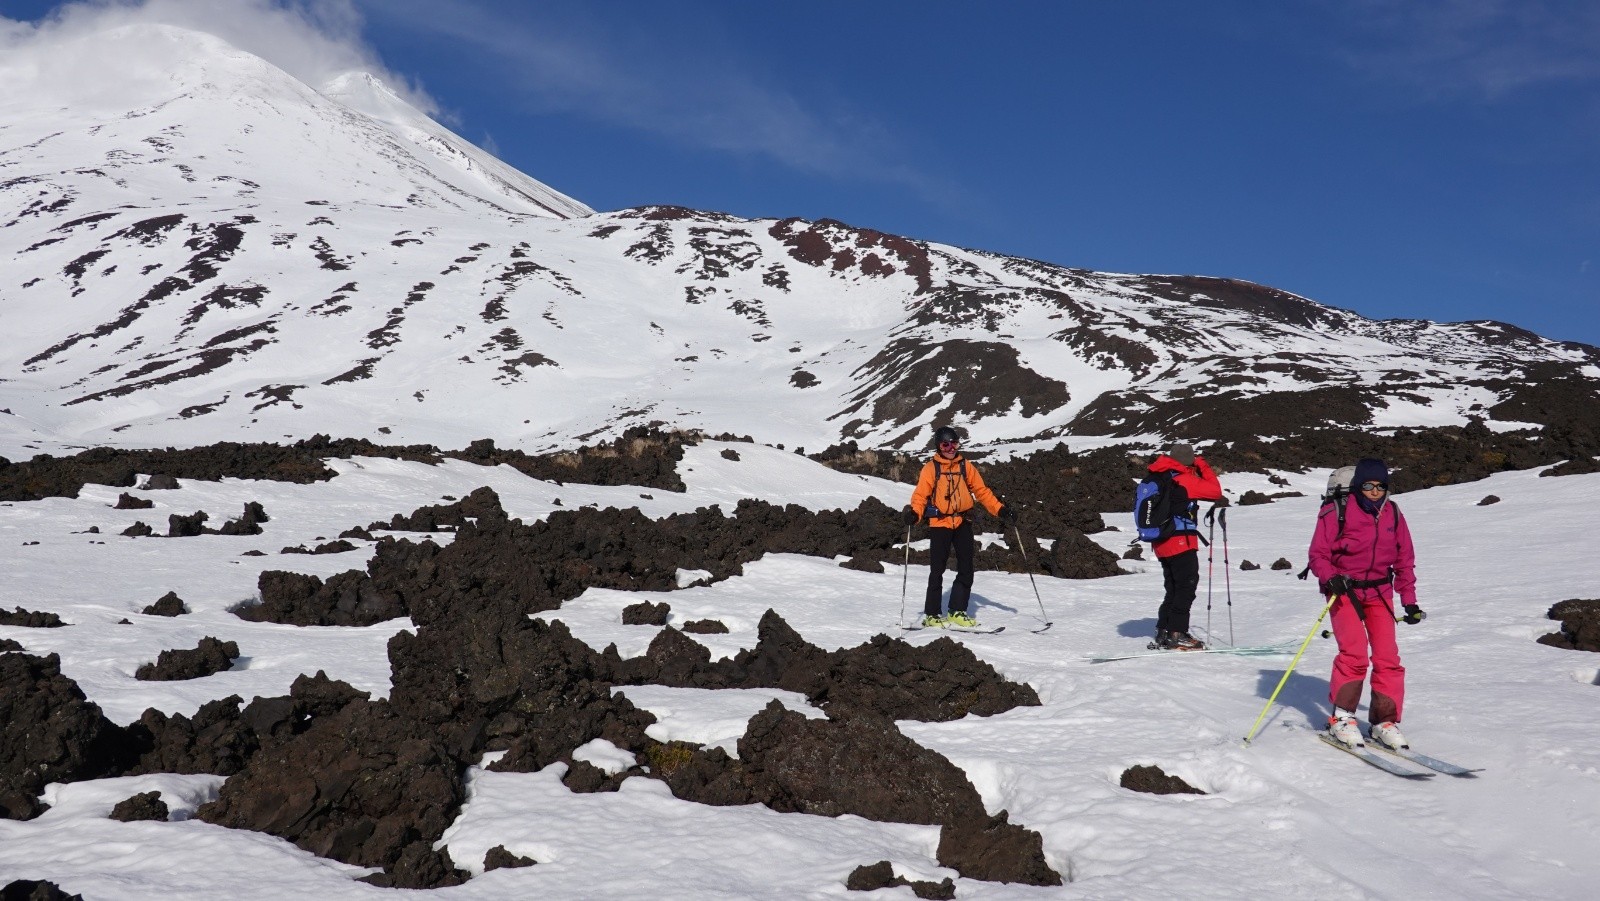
(1211, 557)
(1292, 664)
(905, 573)
(1226, 576)
(1024, 551)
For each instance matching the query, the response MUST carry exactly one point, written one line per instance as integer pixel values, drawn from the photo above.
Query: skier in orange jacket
(945, 492)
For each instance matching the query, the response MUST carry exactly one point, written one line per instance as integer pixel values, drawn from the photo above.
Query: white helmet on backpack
(1339, 482)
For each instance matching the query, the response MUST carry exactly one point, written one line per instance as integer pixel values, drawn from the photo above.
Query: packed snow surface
(1284, 817)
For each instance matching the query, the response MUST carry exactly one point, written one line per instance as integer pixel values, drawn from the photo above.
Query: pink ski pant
(1356, 636)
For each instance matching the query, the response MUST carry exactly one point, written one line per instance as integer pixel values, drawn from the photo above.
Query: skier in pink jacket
(1364, 558)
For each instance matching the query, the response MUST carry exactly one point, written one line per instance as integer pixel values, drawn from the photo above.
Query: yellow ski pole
(1325, 608)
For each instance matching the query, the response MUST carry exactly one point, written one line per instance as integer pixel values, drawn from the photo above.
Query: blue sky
(1434, 160)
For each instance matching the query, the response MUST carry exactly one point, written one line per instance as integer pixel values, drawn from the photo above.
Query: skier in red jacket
(1180, 554)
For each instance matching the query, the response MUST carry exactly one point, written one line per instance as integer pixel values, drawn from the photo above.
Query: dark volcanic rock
(179, 526)
(870, 877)
(346, 599)
(49, 732)
(497, 857)
(35, 890)
(645, 613)
(863, 563)
(1488, 499)
(48, 476)
(492, 680)
(210, 657)
(139, 530)
(247, 524)
(168, 605)
(126, 501)
(7, 646)
(1580, 625)
(144, 806)
(853, 764)
(221, 737)
(30, 619)
(1153, 780)
(1282, 563)
(705, 627)
(1247, 566)
(361, 785)
(995, 850)
(641, 456)
(936, 682)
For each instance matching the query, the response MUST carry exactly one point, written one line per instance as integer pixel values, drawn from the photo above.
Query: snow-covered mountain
(210, 247)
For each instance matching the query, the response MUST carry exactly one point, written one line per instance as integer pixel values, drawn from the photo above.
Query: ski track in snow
(1284, 817)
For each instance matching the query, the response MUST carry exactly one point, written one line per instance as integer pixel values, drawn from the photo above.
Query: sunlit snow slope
(205, 248)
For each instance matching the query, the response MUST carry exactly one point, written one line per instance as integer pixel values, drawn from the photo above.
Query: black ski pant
(940, 543)
(1181, 573)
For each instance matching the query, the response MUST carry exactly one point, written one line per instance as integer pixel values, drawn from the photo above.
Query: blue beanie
(1369, 469)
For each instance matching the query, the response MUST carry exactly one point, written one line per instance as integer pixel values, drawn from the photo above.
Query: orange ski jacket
(946, 489)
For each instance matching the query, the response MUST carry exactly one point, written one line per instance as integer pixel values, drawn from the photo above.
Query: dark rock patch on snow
(168, 604)
(49, 732)
(1153, 780)
(210, 657)
(499, 857)
(35, 890)
(871, 877)
(126, 501)
(30, 619)
(143, 806)
(645, 613)
(1580, 625)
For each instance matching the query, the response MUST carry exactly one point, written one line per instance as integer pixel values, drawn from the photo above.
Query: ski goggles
(1374, 486)
(949, 444)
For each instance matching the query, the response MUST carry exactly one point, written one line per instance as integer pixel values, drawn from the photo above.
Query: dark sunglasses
(1374, 486)
(949, 443)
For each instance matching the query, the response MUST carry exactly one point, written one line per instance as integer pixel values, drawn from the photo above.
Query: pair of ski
(1151, 650)
(1434, 765)
(972, 630)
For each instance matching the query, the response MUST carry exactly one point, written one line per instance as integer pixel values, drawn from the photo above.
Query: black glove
(1414, 615)
(910, 516)
(1008, 516)
(1339, 585)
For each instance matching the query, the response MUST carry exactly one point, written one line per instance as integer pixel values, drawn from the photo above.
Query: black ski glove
(910, 516)
(1414, 614)
(1339, 585)
(1008, 516)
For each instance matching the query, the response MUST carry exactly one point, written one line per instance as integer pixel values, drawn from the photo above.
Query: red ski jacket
(1202, 485)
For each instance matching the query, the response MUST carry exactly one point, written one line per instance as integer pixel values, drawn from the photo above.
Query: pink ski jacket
(1370, 549)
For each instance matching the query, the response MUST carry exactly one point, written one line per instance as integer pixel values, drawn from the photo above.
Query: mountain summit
(201, 247)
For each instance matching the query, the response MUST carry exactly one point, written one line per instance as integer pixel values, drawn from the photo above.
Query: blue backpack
(1162, 509)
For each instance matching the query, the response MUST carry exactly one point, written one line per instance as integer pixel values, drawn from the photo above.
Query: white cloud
(693, 96)
(1488, 47)
(313, 40)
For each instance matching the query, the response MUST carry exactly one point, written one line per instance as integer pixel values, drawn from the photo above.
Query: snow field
(1283, 817)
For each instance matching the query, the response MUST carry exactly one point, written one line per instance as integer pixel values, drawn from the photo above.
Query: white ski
(1432, 763)
(1262, 651)
(1382, 763)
